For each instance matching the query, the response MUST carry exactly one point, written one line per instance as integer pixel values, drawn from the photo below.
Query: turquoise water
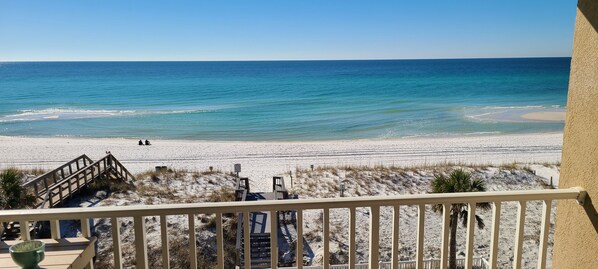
(280, 100)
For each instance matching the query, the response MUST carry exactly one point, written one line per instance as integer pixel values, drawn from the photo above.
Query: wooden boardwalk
(53, 188)
(260, 229)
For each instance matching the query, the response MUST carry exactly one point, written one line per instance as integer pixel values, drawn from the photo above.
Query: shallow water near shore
(282, 100)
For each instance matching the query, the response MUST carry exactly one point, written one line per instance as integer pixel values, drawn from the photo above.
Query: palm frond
(480, 222)
(464, 217)
(437, 208)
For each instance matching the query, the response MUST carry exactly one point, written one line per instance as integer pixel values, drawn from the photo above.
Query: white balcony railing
(139, 213)
(427, 264)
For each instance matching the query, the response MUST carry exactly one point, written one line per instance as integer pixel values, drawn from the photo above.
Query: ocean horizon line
(280, 60)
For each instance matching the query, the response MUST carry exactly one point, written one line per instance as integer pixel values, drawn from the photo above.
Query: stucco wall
(576, 238)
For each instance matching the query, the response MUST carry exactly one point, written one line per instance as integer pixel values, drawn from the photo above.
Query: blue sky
(283, 29)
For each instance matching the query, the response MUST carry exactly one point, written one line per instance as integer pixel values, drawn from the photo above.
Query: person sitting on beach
(147, 143)
(140, 143)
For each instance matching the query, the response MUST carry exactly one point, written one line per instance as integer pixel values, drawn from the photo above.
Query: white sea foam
(70, 114)
(496, 114)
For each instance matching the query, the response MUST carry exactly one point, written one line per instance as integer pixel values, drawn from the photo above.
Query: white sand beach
(262, 160)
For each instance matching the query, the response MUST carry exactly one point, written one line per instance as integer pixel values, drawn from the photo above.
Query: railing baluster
(519, 234)
(395, 236)
(352, 246)
(192, 242)
(78, 181)
(24, 227)
(92, 173)
(374, 237)
(116, 243)
(85, 228)
(86, 232)
(299, 253)
(421, 217)
(495, 232)
(60, 193)
(446, 223)
(471, 221)
(246, 241)
(164, 235)
(55, 229)
(70, 185)
(326, 236)
(547, 208)
(140, 243)
(273, 239)
(219, 241)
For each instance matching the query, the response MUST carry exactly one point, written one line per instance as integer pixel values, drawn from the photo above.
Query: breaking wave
(71, 114)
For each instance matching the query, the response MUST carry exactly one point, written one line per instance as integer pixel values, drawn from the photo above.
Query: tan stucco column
(576, 236)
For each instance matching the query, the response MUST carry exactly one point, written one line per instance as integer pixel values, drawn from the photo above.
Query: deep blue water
(280, 100)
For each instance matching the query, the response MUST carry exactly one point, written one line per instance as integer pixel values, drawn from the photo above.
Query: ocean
(281, 100)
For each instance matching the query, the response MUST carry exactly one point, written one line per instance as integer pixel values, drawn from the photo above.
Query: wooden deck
(71, 253)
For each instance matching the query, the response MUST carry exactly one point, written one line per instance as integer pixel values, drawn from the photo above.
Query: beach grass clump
(225, 194)
(110, 185)
(35, 171)
(170, 187)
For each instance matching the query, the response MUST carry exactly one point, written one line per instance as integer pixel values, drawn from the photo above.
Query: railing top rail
(291, 204)
(70, 177)
(47, 174)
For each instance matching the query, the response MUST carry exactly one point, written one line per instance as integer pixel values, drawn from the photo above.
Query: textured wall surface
(576, 238)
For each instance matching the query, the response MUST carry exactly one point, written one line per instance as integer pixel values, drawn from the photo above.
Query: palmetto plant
(458, 181)
(12, 195)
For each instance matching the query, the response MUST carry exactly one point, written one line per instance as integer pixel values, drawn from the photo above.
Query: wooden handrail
(53, 172)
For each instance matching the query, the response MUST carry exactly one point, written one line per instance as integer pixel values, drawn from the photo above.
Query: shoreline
(261, 160)
(182, 140)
